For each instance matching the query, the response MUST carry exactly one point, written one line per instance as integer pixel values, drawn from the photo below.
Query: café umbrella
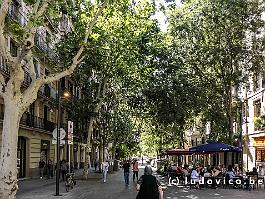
(214, 148)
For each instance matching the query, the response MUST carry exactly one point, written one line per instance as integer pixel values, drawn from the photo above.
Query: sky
(160, 15)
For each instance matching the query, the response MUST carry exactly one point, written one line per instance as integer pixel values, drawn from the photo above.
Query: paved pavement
(114, 188)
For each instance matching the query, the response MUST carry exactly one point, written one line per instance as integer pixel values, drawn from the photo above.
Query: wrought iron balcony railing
(43, 45)
(17, 15)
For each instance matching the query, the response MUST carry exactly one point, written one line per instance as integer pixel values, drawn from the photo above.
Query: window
(256, 82)
(257, 108)
(245, 110)
(70, 87)
(36, 68)
(47, 72)
(48, 39)
(13, 48)
(2, 62)
(260, 155)
(14, 11)
(63, 83)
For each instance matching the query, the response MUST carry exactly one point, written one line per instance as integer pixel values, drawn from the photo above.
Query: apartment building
(254, 125)
(39, 121)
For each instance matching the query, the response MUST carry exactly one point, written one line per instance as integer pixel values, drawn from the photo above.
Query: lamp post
(241, 133)
(58, 138)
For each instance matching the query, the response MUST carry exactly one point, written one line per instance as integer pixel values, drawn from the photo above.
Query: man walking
(126, 169)
(135, 169)
(105, 168)
(41, 167)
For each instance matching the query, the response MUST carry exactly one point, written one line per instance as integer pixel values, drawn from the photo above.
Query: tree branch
(92, 23)
(30, 30)
(57, 76)
(89, 30)
(31, 93)
(36, 7)
(3, 11)
(31, 68)
(32, 90)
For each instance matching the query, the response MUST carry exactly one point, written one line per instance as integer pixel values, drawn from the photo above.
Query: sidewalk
(115, 188)
(38, 186)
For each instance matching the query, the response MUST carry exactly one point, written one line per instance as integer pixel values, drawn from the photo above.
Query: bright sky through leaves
(160, 16)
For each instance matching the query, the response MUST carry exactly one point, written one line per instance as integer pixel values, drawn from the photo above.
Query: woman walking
(105, 169)
(148, 186)
(135, 170)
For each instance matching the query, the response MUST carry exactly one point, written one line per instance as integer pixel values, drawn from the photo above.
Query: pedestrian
(64, 169)
(142, 160)
(49, 169)
(105, 168)
(195, 176)
(41, 167)
(148, 186)
(96, 165)
(261, 172)
(135, 169)
(126, 168)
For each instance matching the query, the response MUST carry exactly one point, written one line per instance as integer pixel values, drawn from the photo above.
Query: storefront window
(260, 155)
(263, 156)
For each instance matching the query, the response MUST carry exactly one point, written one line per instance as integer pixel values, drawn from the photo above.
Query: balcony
(49, 126)
(259, 123)
(36, 122)
(3, 66)
(17, 15)
(43, 45)
(27, 79)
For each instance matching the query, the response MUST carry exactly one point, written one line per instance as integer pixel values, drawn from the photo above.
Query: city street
(114, 188)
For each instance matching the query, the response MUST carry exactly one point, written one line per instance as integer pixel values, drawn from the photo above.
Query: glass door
(21, 157)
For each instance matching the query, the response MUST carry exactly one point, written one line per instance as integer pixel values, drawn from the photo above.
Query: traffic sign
(62, 133)
(54, 141)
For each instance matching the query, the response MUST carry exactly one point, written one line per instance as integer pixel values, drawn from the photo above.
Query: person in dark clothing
(49, 169)
(148, 186)
(251, 175)
(64, 169)
(41, 167)
(126, 169)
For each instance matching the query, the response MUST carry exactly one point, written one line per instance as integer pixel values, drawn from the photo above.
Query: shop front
(259, 144)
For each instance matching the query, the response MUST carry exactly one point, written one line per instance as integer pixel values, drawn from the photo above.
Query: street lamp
(65, 95)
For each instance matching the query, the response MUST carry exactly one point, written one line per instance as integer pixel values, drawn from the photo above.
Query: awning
(214, 147)
(178, 152)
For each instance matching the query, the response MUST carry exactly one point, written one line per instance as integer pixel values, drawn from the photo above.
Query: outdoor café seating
(215, 176)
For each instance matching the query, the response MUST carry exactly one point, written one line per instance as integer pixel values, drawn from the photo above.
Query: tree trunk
(8, 160)
(87, 156)
(114, 150)
(90, 127)
(229, 114)
(101, 152)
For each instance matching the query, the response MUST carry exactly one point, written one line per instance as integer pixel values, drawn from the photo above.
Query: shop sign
(70, 132)
(259, 141)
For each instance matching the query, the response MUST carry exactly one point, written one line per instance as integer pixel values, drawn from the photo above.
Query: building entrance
(21, 157)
